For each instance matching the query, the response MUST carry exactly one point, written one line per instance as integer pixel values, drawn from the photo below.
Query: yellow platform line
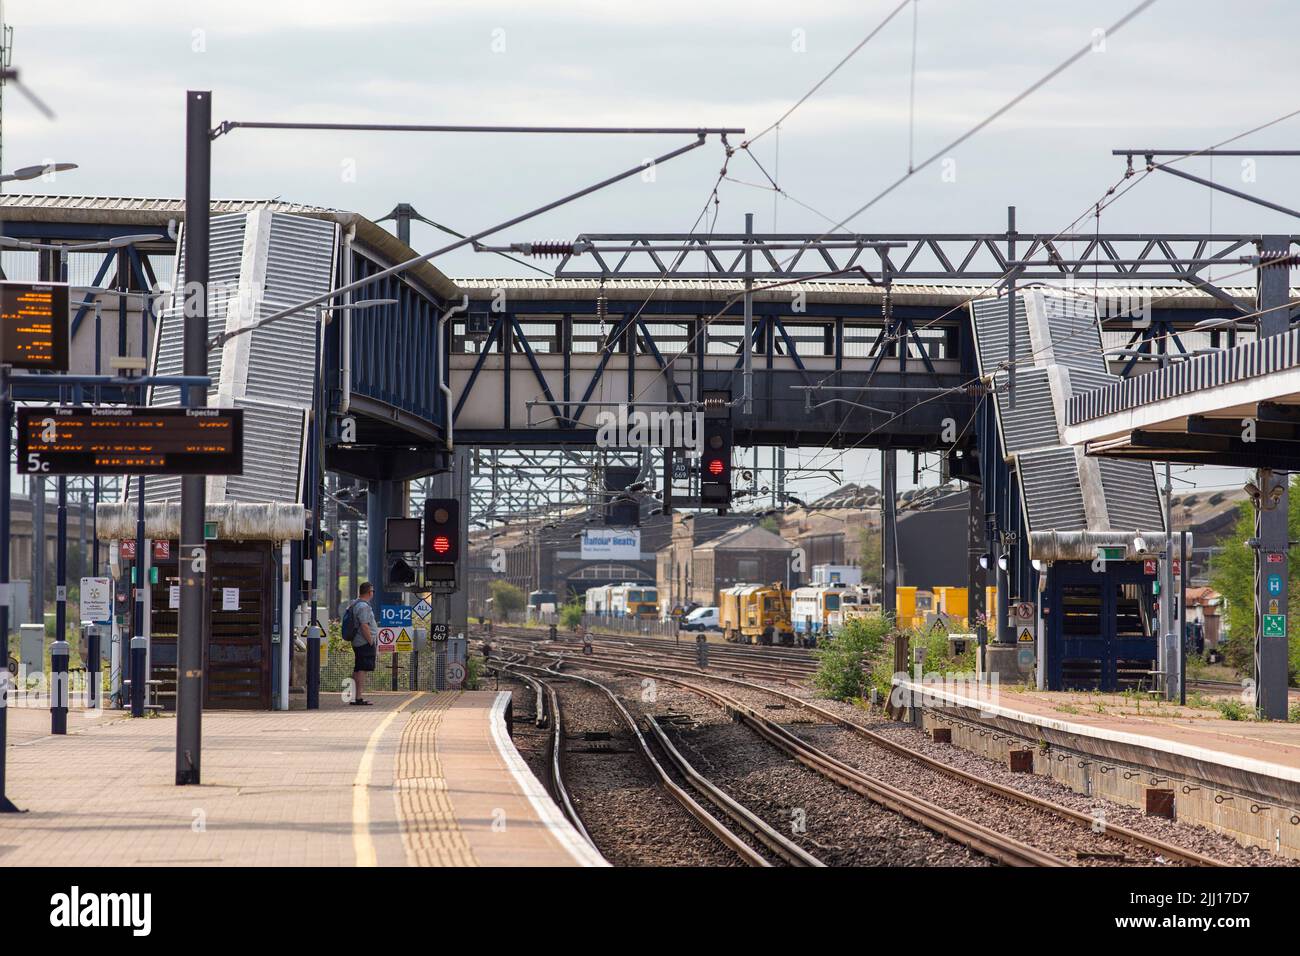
(362, 844)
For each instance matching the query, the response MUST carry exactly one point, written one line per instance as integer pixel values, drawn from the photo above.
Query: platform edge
(582, 852)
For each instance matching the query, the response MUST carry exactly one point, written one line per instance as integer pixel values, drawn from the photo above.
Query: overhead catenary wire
(835, 69)
(992, 117)
(961, 139)
(1110, 196)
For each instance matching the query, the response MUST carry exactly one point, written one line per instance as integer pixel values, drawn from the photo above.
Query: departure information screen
(89, 440)
(34, 325)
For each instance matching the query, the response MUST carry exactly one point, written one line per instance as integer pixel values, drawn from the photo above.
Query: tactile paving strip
(430, 833)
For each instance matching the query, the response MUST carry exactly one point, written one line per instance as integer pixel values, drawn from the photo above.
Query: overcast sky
(1185, 73)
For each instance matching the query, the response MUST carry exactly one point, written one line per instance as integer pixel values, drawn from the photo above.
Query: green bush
(506, 599)
(845, 658)
(1233, 709)
(473, 671)
(571, 614)
(937, 659)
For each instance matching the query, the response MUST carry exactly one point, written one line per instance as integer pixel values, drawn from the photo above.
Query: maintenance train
(623, 600)
(755, 614)
(820, 608)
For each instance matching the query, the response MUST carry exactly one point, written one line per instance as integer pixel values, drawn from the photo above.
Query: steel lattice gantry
(516, 483)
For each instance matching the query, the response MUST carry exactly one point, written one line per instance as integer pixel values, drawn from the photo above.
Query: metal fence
(651, 627)
(339, 662)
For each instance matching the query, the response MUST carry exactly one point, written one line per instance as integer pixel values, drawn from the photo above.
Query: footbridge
(970, 345)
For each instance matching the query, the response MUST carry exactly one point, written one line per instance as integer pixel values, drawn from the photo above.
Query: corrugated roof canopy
(143, 211)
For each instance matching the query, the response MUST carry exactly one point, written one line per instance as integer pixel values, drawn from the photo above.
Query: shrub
(473, 671)
(1233, 709)
(845, 657)
(506, 599)
(571, 614)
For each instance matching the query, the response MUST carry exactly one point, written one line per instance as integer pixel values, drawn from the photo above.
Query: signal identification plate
(88, 440)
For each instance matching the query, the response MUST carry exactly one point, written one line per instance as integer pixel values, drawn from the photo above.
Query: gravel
(991, 809)
(775, 786)
(839, 827)
(630, 817)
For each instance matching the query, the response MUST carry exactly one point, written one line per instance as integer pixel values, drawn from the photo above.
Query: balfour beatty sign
(622, 544)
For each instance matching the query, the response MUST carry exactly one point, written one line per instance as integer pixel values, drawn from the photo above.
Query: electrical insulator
(549, 249)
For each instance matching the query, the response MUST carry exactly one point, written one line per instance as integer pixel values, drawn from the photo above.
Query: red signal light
(716, 467)
(441, 544)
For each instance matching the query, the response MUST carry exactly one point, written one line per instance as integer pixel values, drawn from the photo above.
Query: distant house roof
(752, 538)
(706, 527)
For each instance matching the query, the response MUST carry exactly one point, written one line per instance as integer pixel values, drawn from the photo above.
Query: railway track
(781, 848)
(758, 662)
(893, 797)
(1231, 687)
(983, 840)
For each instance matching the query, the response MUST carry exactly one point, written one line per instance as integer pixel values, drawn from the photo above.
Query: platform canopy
(1238, 407)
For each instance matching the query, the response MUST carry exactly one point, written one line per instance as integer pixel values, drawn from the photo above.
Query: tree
(506, 599)
(1232, 574)
(872, 557)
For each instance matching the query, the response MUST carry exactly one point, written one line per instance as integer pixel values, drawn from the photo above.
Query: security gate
(1101, 628)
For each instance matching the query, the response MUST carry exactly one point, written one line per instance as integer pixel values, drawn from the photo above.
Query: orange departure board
(34, 325)
(117, 440)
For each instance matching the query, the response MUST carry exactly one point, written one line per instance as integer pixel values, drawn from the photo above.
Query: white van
(701, 619)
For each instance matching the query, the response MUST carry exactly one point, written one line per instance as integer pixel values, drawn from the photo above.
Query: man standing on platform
(360, 629)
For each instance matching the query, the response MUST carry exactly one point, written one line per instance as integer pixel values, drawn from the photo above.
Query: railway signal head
(715, 463)
(441, 538)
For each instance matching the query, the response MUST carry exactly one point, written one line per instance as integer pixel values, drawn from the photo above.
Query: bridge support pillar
(889, 530)
(976, 548)
(384, 500)
(1272, 565)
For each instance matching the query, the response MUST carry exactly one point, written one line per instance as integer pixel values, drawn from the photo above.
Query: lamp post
(35, 172)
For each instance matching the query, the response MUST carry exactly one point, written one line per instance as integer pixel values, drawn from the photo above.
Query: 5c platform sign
(106, 440)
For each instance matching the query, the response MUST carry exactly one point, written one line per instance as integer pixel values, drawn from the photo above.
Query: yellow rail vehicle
(755, 614)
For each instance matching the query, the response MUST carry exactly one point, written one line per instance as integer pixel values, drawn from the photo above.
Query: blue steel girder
(395, 355)
(493, 337)
(81, 231)
(100, 274)
(653, 349)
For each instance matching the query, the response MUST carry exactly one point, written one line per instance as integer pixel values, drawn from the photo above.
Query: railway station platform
(418, 779)
(1192, 763)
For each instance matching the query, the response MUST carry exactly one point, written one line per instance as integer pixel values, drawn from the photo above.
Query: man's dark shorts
(365, 655)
